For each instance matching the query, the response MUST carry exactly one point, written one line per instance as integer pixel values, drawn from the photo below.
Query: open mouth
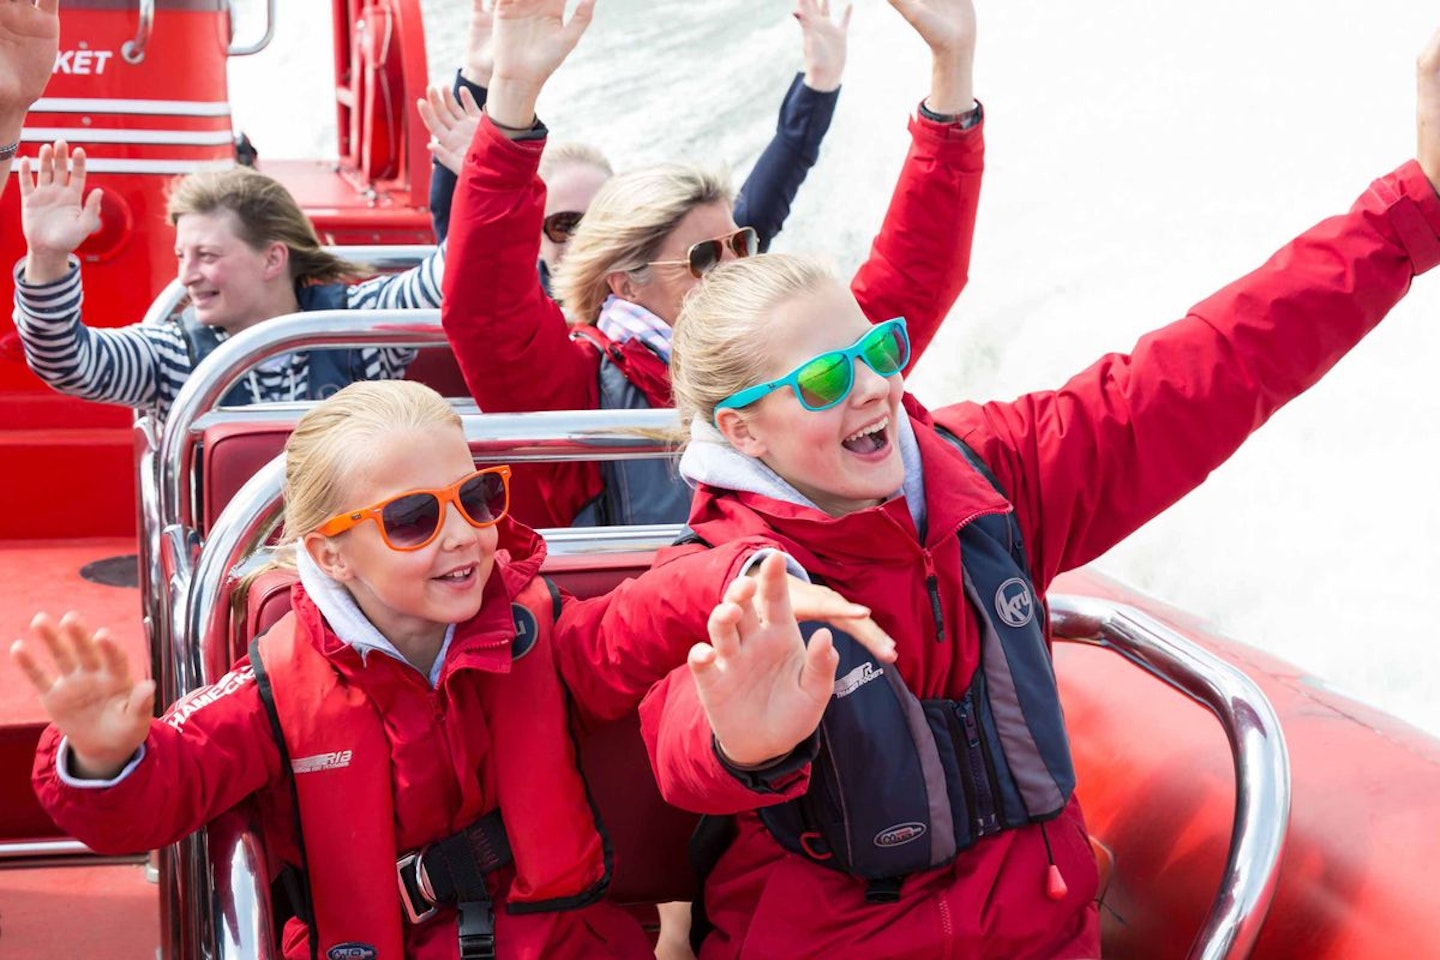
(460, 576)
(869, 440)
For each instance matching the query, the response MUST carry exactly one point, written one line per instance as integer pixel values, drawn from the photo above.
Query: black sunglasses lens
(745, 242)
(560, 226)
(705, 256)
(483, 498)
(412, 519)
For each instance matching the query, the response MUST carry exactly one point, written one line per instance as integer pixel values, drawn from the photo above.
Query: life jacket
(329, 370)
(900, 784)
(646, 491)
(333, 746)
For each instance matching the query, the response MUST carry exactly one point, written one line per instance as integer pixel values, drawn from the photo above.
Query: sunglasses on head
(560, 227)
(822, 382)
(411, 520)
(705, 256)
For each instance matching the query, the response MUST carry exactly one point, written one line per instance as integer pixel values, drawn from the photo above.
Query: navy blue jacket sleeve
(765, 198)
(442, 181)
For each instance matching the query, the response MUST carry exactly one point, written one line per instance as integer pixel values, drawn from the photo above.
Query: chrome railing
(247, 49)
(1262, 763)
(133, 51)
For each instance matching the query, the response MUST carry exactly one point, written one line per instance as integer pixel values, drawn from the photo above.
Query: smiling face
(410, 596)
(665, 288)
(845, 458)
(231, 284)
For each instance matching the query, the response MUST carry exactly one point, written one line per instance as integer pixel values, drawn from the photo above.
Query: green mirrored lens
(885, 350)
(824, 380)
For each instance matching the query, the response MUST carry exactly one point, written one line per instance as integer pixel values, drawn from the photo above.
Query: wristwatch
(966, 120)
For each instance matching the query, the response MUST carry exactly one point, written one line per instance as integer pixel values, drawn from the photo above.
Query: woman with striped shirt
(245, 253)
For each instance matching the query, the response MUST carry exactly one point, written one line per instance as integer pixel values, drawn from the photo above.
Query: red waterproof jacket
(513, 343)
(1083, 466)
(215, 748)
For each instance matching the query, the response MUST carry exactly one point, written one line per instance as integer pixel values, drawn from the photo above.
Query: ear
(735, 427)
(328, 556)
(277, 261)
(623, 285)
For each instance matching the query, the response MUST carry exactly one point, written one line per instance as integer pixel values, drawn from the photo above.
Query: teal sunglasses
(822, 382)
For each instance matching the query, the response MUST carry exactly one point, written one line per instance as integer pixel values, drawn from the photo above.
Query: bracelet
(966, 120)
(8, 151)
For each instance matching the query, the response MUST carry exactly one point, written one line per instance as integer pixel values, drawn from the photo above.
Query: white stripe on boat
(179, 108)
(189, 138)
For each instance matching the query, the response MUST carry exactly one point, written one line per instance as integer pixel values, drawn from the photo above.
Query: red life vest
(347, 815)
(645, 371)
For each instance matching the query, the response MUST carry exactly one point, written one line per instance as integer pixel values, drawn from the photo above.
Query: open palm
(87, 691)
(54, 211)
(763, 688)
(29, 38)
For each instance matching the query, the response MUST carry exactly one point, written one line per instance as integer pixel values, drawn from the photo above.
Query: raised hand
(763, 688)
(531, 40)
(948, 28)
(55, 214)
(29, 38)
(810, 601)
(1427, 109)
(451, 124)
(89, 696)
(479, 51)
(824, 43)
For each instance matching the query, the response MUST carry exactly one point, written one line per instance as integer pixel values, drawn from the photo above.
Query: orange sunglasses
(411, 520)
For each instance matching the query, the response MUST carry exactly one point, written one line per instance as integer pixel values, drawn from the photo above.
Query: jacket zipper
(932, 586)
(985, 820)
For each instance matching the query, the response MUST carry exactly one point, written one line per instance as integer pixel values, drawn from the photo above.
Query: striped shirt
(145, 366)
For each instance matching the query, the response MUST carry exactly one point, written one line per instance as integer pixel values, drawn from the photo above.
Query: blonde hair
(559, 155)
(320, 452)
(266, 213)
(625, 227)
(719, 346)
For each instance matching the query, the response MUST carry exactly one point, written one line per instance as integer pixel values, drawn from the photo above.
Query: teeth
(456, 574)
(873, 428)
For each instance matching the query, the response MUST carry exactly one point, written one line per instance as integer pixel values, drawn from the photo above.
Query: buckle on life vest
(416, 896)
(477, 930)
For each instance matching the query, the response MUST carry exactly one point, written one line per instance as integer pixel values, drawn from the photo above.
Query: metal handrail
(1257, 745)
(237, 50)
(133, 51)
(219, 371)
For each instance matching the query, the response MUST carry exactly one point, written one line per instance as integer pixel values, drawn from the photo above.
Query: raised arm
(921, 258)
(452, 117)
(1089, 463)
(29, 40)
(133, 365)
(765, 198)
(720, 738)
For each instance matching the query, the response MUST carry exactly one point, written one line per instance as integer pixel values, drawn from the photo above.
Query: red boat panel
(92, 909)
(1157, 783)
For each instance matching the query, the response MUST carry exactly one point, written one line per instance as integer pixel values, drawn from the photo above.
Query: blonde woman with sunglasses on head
(397, 700)
(650, 237)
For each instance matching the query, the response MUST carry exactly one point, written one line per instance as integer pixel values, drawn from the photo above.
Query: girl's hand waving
(88, 693)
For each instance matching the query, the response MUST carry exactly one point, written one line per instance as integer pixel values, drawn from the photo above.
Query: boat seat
(232, 453)
(650, 839)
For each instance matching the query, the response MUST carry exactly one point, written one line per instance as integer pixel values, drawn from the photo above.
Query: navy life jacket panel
(954, 771)
(329, 370)
(635, 491)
